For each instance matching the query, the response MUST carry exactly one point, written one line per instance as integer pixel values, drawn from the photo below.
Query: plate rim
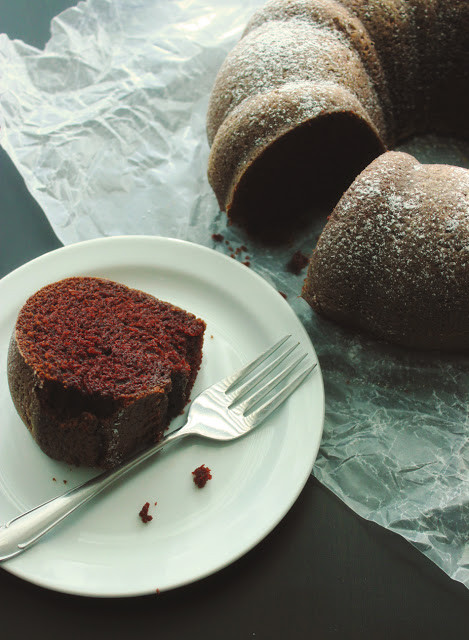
(44, 259)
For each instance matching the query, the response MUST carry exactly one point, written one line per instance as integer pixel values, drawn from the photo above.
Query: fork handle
(25, 530)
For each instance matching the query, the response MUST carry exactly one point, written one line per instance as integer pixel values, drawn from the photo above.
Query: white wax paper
(107, 127)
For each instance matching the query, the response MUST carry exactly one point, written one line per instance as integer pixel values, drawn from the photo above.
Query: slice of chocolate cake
(97, 370)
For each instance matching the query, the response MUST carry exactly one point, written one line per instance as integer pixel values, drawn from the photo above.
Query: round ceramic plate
(104, 549)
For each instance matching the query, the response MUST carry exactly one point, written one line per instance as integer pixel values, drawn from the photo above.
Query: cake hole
(303, 172)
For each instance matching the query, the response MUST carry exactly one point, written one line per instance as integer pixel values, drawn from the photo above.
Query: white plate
(104, 549)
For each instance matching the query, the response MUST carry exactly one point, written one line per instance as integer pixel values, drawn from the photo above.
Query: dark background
(322, 573)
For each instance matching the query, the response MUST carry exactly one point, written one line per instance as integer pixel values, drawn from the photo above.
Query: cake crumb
(144, 515)
(297, 262)
(54, 479)
(284, 295)
(201, 476)
(217, 237)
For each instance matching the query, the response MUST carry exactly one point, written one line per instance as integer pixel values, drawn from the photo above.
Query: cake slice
(97, 370)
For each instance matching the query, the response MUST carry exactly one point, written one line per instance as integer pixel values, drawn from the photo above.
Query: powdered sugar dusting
(283, 53)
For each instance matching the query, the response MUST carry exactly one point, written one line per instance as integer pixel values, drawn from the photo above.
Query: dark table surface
(322, 573)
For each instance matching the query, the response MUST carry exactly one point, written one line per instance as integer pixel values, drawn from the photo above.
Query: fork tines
(262, 385)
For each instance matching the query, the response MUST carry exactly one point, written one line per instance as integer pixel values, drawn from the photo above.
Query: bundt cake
(316, 89)
(96, 370)
(393, 259)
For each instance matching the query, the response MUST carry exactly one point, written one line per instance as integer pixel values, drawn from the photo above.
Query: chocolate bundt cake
(316, 89)
(393, 259)
(96, 370)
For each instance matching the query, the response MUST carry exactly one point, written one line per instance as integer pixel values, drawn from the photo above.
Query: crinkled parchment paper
(107, 127)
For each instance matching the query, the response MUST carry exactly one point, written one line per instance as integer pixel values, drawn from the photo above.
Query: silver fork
(225, 411)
